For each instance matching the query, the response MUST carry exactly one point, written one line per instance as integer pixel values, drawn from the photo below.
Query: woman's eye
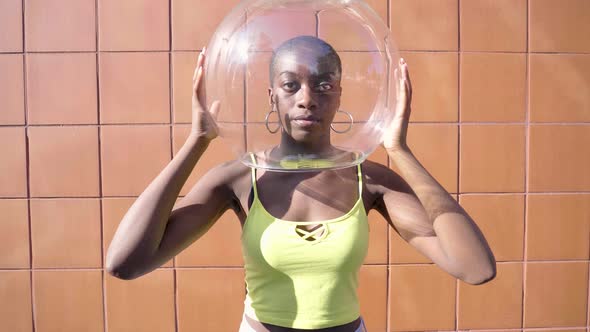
(324, 87)
(289, 86)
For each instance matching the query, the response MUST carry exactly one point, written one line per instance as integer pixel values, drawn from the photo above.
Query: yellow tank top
(301, 279)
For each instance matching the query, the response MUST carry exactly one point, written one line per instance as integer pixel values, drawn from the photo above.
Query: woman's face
(306, 93)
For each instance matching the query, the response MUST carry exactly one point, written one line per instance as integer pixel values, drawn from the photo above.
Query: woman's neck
(320, 147)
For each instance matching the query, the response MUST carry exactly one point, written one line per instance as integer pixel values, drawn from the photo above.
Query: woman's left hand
(395, 136)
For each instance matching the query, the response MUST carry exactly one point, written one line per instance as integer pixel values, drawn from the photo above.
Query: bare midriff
(264, 327)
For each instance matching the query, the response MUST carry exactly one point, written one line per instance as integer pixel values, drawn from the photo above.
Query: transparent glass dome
(305, 111)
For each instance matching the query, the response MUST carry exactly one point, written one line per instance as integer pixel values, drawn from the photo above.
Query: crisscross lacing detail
(311, 235)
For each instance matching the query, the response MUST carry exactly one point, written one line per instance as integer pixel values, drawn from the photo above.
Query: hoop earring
(266, 121)
(349, 125)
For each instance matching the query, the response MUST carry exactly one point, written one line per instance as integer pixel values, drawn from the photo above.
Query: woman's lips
(305, 120)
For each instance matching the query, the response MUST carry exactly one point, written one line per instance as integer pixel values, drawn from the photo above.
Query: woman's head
(305, 74)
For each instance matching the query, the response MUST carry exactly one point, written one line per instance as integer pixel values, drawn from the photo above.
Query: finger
(408, 95)
(406, 79)
(407, 83)
(200, 60)
(214, 110)
(403, 68)
(198, 78)
(198, 98)
(402, 73)
(396, 79)
(201, 87)
(401, 91)
(407, 74)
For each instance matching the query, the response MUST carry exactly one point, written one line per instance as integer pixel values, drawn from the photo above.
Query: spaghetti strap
(360, 176)
(253, 169)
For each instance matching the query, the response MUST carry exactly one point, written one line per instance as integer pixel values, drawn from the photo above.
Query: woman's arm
(443, 231)
(432, 220)
(148, 235)
(136, 247)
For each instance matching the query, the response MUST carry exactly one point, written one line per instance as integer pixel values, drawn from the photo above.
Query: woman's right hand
(203, 121)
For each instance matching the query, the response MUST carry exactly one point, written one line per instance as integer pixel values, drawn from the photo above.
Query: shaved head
(307, 50)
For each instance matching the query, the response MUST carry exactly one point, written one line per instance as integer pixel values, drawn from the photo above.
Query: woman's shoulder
(229, 171)
(228, 180)
(373, 170)
(380, 178)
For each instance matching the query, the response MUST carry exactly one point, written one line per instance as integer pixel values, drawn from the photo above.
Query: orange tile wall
(95, 100)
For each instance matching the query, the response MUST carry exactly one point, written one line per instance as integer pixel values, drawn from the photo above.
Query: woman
(304, 235)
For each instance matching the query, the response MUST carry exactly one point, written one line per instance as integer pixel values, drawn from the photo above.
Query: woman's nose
(306, 98)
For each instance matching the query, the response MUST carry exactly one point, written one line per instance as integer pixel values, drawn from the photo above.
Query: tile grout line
(388, 322)
(588, 288)
(96, 51)
(546, 193)
(388, 242)
(63, 269)
(533, 329)
(338, 50)
(458, 182)
(175, 290)
(172, 131)
(100, 188)
(317, 24)
(388, 164)
(23, 26)
(542, 329)
(232, 267)
(526, 168)
(28, 171)
(245, 132)
(588, 301)
(412, 123)
(11, 52)
(245, 96)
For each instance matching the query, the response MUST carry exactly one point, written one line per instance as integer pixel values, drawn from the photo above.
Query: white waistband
(245, 327)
